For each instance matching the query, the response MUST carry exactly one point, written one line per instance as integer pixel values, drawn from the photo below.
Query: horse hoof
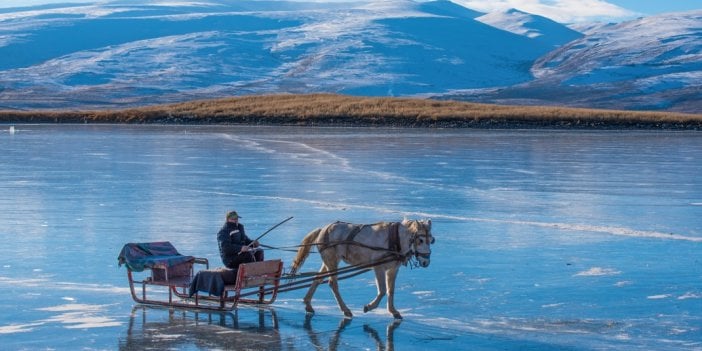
(366, 309)
(309, 310)
(348, 314)
(397, 315)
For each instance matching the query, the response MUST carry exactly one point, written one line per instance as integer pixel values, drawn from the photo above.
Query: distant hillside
(126, 53)
(652, 63)
(120, 54)
(339, 110)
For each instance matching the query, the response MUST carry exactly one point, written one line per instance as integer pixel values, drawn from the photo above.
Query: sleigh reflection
(152, 327)
(162, 328)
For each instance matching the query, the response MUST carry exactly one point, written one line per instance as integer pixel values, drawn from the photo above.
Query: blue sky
(559, 10)
(658, 6)
(571, 11)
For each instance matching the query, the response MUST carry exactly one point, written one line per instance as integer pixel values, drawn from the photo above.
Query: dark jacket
(230, 240)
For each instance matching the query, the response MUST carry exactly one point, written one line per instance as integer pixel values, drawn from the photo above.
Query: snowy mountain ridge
(652, 63)
(532, 26)
(126, 53)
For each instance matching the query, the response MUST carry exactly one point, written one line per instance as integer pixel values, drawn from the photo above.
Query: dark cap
(232, 214)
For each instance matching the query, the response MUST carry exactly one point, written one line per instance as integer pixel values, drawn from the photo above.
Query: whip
(269, 230)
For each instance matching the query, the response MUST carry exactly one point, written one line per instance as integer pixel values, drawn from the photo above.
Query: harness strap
(394, 238)
(325, 245)
(356, 229)
(349, 238)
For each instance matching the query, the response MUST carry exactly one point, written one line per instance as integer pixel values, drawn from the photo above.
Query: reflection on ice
(389, 344)
(158, 328)
(334, 339)
(243, 329)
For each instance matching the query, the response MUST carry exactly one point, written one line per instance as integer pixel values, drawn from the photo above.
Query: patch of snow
(690, 295)
(19, 328)
(597, 271)
(658, 297)
(88, 12)
(181, 3)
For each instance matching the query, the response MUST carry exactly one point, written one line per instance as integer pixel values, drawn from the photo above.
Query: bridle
(415, 240)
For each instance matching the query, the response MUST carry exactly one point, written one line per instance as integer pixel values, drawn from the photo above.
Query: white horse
(383, 245)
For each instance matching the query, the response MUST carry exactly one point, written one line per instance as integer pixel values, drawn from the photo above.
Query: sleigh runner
(159, 275)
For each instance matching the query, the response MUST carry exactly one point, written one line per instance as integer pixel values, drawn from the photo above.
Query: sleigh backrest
(259, 274)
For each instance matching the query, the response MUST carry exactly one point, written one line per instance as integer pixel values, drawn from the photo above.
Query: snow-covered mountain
(652, 63)
(123, 53)
(532, 26)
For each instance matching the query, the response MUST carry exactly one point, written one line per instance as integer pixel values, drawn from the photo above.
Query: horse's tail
(304, 249)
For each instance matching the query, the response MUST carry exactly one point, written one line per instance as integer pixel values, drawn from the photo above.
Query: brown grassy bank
(328, 109)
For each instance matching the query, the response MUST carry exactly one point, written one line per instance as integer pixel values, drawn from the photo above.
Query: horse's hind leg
(334, 285)
(312, 289)
(380, 284)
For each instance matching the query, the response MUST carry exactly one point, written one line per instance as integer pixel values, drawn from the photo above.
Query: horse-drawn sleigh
(167, 278)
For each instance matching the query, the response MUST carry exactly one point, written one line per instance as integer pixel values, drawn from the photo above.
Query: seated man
(235, 247)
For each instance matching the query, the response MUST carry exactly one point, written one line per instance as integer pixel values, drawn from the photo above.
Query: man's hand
(254, 243)
(244, 248)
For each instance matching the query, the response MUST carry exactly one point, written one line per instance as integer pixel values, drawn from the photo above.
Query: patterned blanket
(140, 256)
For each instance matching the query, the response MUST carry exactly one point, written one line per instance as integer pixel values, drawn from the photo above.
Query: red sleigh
(168, 278)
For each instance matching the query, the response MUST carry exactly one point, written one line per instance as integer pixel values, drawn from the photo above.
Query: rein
(341, 273)
(329, 245)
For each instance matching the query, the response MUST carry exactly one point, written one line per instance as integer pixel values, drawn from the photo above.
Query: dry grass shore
(342, 110)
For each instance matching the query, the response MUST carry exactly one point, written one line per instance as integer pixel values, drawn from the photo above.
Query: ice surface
(546, 240)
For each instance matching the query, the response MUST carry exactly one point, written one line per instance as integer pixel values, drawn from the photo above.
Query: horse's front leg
(312, 289)
(390, 276)
(380, 284)
(334, 285)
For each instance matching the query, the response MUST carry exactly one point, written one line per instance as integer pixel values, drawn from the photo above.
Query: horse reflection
(335, 338)
(159, 328)
(389, 336)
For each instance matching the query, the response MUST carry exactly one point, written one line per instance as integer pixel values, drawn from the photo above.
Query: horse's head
(420, 240)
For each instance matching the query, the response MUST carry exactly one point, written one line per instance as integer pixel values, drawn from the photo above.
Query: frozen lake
(546, 240)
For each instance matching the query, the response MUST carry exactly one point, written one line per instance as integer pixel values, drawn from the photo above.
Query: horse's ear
(428, 224)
